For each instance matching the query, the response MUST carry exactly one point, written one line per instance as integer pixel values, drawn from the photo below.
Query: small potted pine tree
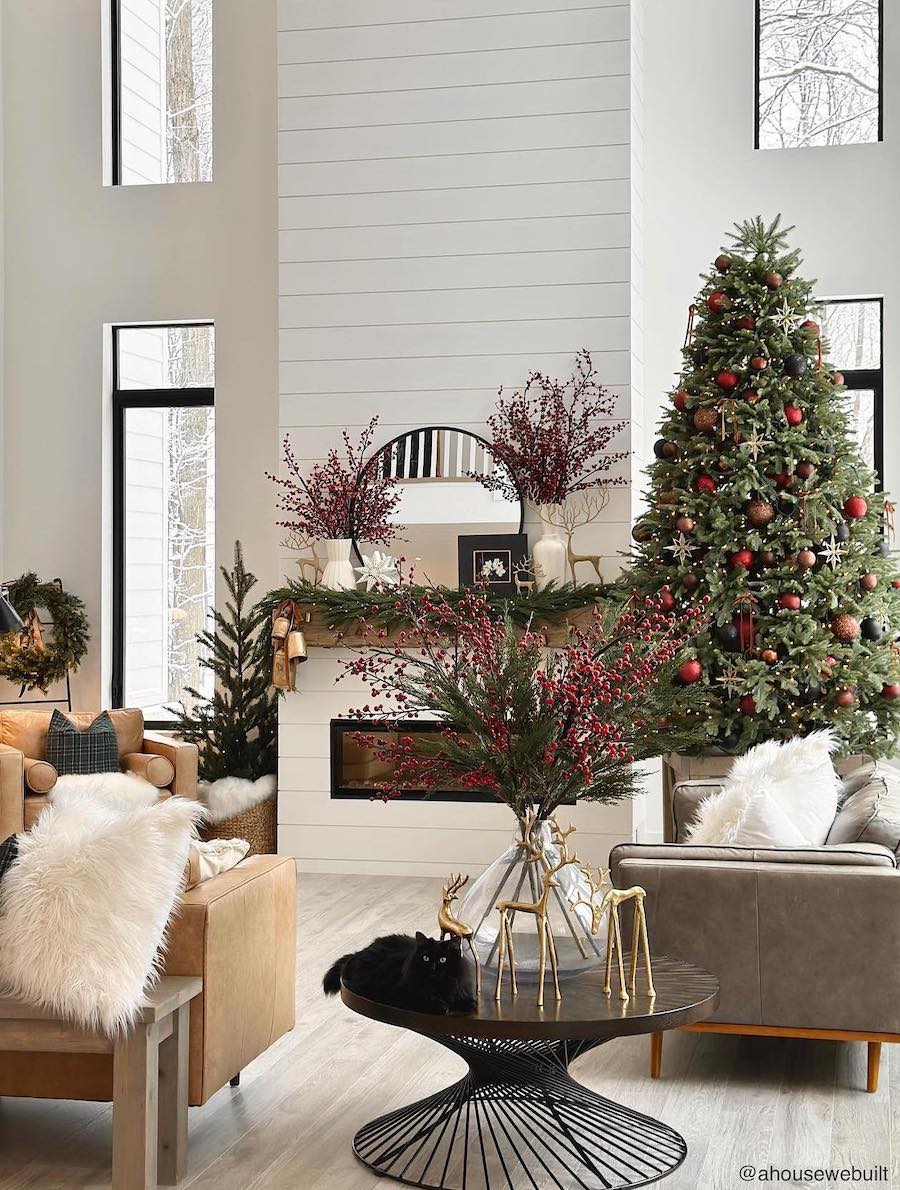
(236, 729)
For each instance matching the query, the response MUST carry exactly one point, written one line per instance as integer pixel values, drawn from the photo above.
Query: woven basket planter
(258, 825)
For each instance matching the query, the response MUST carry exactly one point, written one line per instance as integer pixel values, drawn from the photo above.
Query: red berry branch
(551, 439)
(346, 497)
(530, 726)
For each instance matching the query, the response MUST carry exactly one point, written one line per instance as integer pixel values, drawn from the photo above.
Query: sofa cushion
(27, 730)
(90, 750)
(158, 770)
(40, 775)
(870, 812)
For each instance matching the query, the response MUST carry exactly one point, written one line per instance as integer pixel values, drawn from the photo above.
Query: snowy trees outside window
(164, 90)
(818, 65)
(851, 335)
(164, 397)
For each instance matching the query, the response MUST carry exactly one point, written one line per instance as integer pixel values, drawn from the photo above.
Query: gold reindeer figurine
(537, 909)
(610, 903)
(451, 925)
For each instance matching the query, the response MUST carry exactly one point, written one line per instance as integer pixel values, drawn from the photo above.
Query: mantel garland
(39, 666)
(381, 609)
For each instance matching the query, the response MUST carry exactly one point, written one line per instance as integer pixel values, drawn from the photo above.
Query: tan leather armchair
(237, 931)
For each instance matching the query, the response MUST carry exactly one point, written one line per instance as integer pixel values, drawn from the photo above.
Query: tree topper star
(378, 570)
(681, 548)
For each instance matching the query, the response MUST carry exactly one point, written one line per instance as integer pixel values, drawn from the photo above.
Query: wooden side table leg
(873, 1065)
(135, 1104)
(173, 1099)
(656, 1044)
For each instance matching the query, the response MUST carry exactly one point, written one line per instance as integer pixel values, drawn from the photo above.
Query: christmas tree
(237, 729)
(759, 499)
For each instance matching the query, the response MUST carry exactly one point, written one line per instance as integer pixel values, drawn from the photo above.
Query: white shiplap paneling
(456, 209)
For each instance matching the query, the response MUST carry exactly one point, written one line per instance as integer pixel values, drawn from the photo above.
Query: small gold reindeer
(451, 925)
(537, 909)
(610, 903)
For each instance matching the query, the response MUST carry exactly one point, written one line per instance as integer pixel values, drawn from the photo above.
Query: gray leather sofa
(805, 943)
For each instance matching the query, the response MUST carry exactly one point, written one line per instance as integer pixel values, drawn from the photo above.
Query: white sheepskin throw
(231, 795)
(83, 910)
(776, 795)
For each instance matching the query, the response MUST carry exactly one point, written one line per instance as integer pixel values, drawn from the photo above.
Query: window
(852, 334)
(163, 513)
(818, 72)
(162, 91)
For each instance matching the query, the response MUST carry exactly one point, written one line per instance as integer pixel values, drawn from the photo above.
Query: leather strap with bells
(289, 647)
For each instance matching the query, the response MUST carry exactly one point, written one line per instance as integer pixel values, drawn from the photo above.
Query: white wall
(456, 207)
(702, 175)
(81, 255)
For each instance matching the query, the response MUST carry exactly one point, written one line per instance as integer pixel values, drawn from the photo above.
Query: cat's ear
(420, 938)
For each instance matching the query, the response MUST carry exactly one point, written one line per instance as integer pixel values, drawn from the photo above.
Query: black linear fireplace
(358, 772)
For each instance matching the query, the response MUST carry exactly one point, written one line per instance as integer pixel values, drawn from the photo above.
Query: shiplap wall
(457, 200)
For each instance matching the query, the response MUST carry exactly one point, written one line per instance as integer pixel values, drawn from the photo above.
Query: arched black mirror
(441, 500)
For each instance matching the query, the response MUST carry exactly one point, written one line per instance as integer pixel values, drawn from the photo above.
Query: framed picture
(495, 559)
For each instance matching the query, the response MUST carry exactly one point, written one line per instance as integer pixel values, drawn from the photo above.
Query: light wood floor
(288, 1127)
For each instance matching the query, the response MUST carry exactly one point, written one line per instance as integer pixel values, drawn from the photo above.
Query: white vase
(338, 574)
(550, 558)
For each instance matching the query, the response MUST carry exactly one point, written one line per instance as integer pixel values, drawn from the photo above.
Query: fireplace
(357, 772)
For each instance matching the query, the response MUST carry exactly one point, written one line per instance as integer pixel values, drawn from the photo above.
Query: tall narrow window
(818, 72)
(164, 513)
(162, 91)
(852, 333)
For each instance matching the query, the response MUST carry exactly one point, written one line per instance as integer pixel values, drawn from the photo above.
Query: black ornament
(842, 531)
(871, 629)
(812, 692)
(795, 364)
(729, 741)
(729, 636)
(659, 448)
(700, 356)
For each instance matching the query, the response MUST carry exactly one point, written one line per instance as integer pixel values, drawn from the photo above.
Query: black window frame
(122, 401)
(867, 379)
(115, 77)
(757, 31)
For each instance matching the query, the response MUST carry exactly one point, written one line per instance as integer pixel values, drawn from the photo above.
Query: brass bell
(282, 671)
(296, 646)
(281, 625)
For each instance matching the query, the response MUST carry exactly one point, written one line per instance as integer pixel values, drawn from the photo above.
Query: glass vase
(517, 876)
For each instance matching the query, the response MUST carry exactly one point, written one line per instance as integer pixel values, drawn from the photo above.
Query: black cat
(420, 974)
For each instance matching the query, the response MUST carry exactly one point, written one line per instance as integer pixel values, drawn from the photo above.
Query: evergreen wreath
(30, 666)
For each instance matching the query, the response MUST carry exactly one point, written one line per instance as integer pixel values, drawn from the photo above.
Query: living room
(450, 612)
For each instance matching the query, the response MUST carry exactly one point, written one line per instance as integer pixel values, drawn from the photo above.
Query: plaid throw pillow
(94, 750)
(9, 851)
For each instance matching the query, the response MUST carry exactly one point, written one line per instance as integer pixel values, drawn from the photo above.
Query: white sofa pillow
(776, 795)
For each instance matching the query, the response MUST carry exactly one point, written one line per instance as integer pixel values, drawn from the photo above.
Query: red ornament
(793, 415)
(750, 395)
(770, 656)
(706, 483)
(782, 479)
(685, 524)
(680, 399)
(855, 507)
(666, 599)
(804, 470)
(727, 380)
(718, 301)
(689, 581)
(811, 326)
(758, 363)
(868, 582)
(891, 690)
(748, 704)
(722, 262)
(742, 558)
(745, 323)
(895, 583)
(846, 696)
(774, 280)
(806, 559)
(837, 378)
(789, 602)
(690, 672)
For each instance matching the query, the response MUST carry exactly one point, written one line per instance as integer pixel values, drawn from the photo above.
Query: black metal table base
(518, 1120)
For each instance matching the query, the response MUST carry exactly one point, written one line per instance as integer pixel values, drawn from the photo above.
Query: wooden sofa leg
(656, 1044)
(236, 1081)
(873, 1065)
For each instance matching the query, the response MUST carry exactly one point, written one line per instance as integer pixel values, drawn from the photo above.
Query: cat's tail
(331, 984)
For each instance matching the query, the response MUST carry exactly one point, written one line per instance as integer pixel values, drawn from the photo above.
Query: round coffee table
(518, 1119)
